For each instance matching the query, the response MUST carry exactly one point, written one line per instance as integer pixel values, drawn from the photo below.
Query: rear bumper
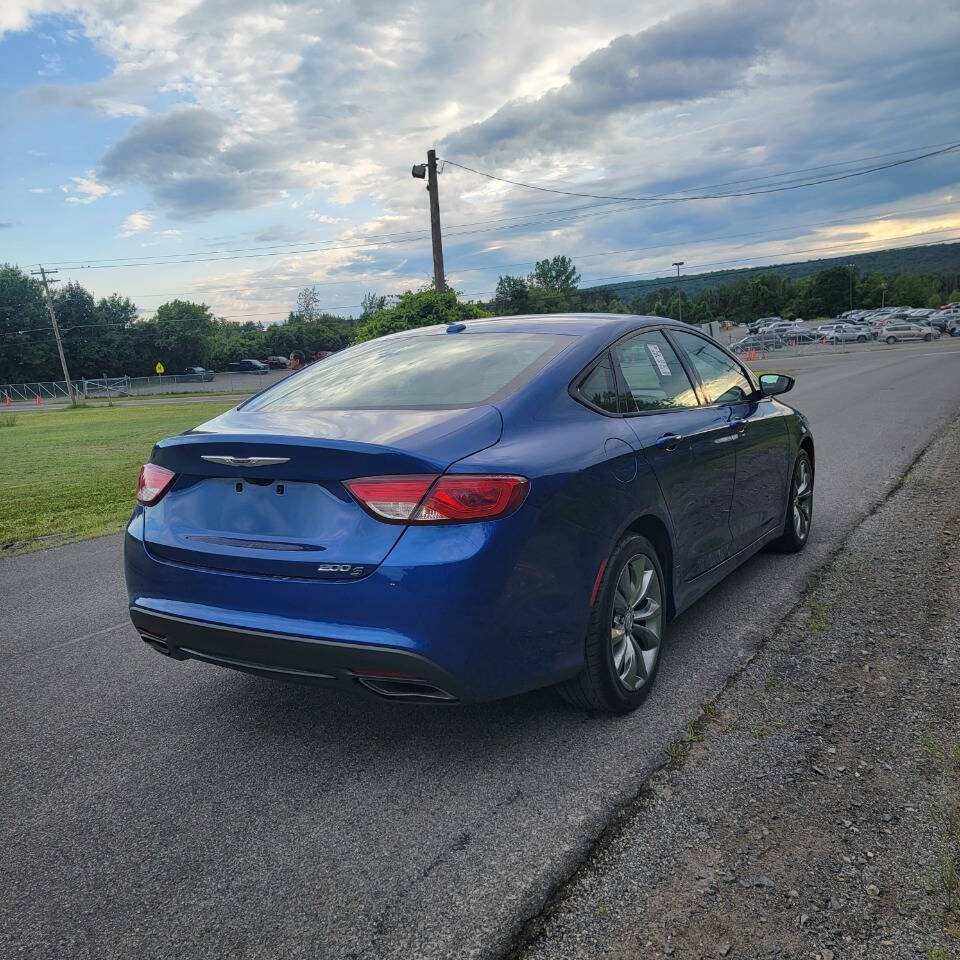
(479, 611)
(384, 671)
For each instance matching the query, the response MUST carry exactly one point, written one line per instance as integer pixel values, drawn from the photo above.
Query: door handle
(668, 441)
(738, 425)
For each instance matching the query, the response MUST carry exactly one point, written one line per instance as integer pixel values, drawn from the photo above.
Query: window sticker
(659, 359)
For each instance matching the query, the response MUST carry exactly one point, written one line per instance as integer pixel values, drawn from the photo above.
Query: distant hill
(943, 258)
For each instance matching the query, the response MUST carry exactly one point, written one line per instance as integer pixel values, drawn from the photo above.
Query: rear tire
(928, 337)
(623, 650)
(891, 339)
(796, 526)
(861, 339)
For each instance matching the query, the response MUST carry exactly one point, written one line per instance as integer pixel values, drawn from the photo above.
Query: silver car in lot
(902, 330)
(845, 333)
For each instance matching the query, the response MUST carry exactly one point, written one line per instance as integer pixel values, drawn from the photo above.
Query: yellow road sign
(159, 368)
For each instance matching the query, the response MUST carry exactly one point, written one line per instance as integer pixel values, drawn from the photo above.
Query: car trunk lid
(262, 493)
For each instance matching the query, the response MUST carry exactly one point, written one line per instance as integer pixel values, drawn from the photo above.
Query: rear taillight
(153, 483)
(456, 498)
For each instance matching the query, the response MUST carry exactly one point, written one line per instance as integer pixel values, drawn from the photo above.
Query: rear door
(689, 447)
(758, 427)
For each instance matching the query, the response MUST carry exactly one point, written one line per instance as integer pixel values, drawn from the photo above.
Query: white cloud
(326, 106)
(86, 189)
(52, 64)
(38, 190)
(135, 223)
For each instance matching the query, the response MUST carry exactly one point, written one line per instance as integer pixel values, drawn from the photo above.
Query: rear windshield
(446, 370)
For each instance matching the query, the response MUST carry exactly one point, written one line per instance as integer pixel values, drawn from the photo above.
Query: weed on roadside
(936, 952)
(950, 884)
(819, 616)
(8, 419)
(946, 753)
(711, 711)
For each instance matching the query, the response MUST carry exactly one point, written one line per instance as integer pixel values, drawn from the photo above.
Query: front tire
(796, 527)
(625, 635)
(891, 339)
(861, 339)
(928, 337)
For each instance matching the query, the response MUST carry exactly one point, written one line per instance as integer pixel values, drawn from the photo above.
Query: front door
(690, 447)
(756, 425)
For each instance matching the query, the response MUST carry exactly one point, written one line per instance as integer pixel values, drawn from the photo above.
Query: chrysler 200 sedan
(468, 512)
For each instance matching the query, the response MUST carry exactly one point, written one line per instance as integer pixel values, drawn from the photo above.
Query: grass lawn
(69, 474)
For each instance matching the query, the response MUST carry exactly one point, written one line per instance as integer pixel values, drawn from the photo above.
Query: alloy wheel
(637, 624)
(802, 498)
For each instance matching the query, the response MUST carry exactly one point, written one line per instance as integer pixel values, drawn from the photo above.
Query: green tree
(26, 339)
(182, 330)
(512, 297)
(422, 309)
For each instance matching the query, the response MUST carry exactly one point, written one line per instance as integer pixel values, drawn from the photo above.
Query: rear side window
(724, 380)
(420, 372)
(653, 374)
(599, 387)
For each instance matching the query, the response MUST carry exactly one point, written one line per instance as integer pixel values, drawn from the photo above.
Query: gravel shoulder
(813, 810)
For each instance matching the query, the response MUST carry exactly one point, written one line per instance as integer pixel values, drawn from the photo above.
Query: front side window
(724, 380)
(654, 377)
(419, 372)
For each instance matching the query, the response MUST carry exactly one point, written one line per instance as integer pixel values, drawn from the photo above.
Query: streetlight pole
(850, 268)
(678, 264)
(883, 294)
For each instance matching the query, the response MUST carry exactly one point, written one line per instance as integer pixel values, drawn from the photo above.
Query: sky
(234, 151)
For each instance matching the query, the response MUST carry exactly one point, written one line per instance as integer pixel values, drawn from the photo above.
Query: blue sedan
(469, 512)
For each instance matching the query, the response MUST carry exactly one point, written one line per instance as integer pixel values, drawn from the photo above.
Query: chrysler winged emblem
(245, 461)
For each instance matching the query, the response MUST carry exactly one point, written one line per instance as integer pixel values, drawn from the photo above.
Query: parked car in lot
(468, 512)
(195, 375)
(758, 341)
(901, 330)
(247, 366)
(277, 363)
(785, 328)
(756, 325)
(942, 319)
(845, 333)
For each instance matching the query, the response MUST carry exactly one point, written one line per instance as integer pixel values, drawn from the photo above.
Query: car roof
(573, 324)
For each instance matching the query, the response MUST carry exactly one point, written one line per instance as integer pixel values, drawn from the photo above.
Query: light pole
(678, 264)
(850, 268)
(883, 294)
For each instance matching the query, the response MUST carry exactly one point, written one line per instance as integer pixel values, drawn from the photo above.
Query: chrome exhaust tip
(397, 688)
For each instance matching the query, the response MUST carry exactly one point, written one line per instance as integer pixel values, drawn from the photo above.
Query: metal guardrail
(116, 387)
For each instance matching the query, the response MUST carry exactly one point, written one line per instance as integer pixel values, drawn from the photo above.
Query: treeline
(109, 337)
(553, 286)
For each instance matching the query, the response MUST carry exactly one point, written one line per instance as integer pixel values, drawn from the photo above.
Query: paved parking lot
(157, 809)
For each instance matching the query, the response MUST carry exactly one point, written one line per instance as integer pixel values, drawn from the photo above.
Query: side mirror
(773, 384)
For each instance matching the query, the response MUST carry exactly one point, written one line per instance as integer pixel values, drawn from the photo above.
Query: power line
(612, 205)
(579, 256)
(678, 198)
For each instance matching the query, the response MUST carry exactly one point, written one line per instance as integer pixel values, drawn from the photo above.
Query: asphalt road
(157, 809)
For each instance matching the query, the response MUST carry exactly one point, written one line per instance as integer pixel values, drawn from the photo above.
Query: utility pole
(883, 294)
(678, 264)
(851, 268)
(56, 329)
(428, 171)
